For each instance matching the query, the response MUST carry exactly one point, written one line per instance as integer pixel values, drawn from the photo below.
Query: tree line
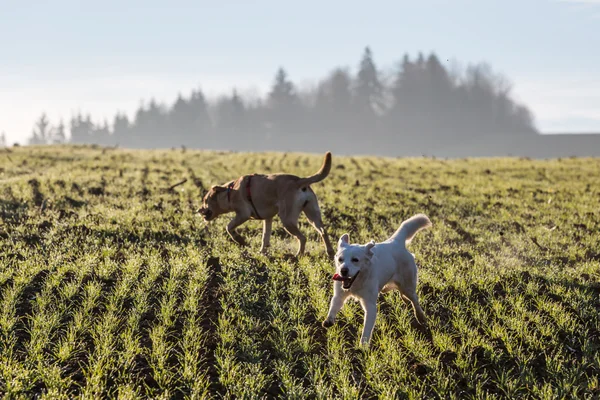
(421, 102)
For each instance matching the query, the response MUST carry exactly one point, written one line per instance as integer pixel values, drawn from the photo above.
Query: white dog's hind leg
(370, 309)
(336, 304)
(266, 236)
(389, 287)
(419, 314)
(406, 300)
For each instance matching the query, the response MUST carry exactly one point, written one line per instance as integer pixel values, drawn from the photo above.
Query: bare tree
(42, 132)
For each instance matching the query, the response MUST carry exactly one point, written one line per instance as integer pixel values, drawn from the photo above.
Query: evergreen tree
(181, 121)
(58, 134)
(402, 114)
(155, 132)
(74, 125)
(368, 100)
(285, 111)
(138, 126)
(121, 129)
(480, 99)
(439, 83)
(420, 63)
(438, 99)
(523, 121)
(333, 105)
(283, 98)
(256, 117)
(368, 97)
(3, 142)
(34, 139)
(150, 127)
(101, 135)
(201, 133)
(230, 122)
(81, 129)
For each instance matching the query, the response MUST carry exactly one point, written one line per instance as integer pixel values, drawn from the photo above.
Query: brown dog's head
(211, 203)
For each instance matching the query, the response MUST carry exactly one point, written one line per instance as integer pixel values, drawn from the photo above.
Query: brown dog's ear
(219, 189)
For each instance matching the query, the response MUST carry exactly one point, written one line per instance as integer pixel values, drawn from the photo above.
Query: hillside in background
(111, 286)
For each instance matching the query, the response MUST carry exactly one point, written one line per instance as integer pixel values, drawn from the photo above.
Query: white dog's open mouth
(346, 281)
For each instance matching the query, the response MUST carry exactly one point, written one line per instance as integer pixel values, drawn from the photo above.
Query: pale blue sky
(61, 56)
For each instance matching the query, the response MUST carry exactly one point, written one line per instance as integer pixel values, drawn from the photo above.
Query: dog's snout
(205, 212)
(344, 271)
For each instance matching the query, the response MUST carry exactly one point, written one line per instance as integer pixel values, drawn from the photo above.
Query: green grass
(110, 286)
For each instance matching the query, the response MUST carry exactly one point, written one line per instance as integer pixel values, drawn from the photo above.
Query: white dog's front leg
(370, 308)
(337, 301)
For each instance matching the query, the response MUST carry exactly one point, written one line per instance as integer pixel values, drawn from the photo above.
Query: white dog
(362, 271)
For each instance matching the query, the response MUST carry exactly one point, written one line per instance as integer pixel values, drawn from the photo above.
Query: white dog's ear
(344, 240)
(370, 246)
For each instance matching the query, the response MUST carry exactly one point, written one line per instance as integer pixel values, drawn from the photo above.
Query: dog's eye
(354, 259)
(341, 259)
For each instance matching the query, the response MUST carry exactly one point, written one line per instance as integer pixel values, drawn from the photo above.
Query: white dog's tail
(410, 227)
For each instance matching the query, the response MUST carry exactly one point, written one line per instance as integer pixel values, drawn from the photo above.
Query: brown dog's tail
(319, 176)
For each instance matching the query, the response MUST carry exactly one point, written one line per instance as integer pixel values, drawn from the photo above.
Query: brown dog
(264, 196)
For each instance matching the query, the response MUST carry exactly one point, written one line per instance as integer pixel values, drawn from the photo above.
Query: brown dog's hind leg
(292, 229)
(313, 213)
(234, 223)
(266, 237)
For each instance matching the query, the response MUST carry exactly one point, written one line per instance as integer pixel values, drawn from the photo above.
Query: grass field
(111, 286)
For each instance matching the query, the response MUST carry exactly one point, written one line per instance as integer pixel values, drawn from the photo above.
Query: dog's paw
(327, 323)
(289, 257)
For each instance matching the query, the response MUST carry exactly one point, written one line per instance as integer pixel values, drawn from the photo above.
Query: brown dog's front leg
(234, 223)
(266, 237)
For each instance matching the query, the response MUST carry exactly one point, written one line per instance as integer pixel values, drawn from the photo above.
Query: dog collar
(249, 194)
(229, 188)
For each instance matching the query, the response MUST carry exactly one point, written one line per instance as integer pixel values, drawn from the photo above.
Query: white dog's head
(350, 259)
